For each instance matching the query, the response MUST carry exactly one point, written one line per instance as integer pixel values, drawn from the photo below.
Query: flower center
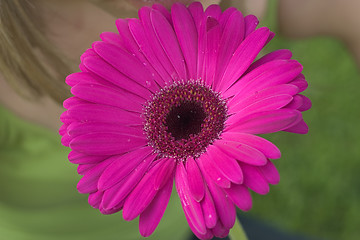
(183, 119)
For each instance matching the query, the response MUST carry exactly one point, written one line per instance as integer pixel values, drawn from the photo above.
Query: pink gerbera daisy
(178, 95)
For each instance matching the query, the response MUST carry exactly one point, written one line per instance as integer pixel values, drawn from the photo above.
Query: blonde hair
(22, 45)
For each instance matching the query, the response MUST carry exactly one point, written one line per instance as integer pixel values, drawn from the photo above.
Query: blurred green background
(319, 191)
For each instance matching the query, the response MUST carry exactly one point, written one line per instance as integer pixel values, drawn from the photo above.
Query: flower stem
(237, 232)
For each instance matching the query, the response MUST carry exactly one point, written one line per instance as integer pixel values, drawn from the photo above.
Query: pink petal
(164, 172)
(254, 75)
(184, 23)
(115, 209)
(89, 78)
(169, 43)
(266, 104)
(62, 129)
(224, 18)
(197, 13)
(271, 36)
(133, 68)
(226, 164)
(269, 74)
(220, 230)
(224, 207)
(88, 183)
(195, 180)
(243, 57)
(110, 211)
(82, 68)
(240, 195)
(81, 158)
(211, 22)
(280, 74)
(306, 103)
(300, 82)
(106, 143)
(112, 38)
(117, 194)
(66, 118)
(213, 36)
(270, 173)
(208, 167)
(143, 194)
(259, 143)
(121, 167)
(108, 96)
(192, 208)
(209, 210)
(152, 40)
(80, 128)
(267, 122)
(242, 152)
(202, 42)
(103, 69)
(76, 78)
(213, 11)
(295, 103)
(133, 47)
(164, 11)
(251, 22)
(65, 140)
(277, 54)
(254, 179)
(82, 169)
(88, 53)
(95, 199)
(71, 101)
(204, 236)
(232, 36)
(239, 101)
(101, 113)
(127, 42)
(149, 57)
(151, 216)
(300, 128)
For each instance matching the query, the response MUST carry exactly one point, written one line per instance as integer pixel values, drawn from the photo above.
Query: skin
(72, 28)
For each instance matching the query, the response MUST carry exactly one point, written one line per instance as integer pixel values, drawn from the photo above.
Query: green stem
(237, 232)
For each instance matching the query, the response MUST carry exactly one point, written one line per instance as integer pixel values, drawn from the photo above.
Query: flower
(179, 95)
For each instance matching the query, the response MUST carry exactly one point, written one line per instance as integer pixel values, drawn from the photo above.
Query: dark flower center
(183, 119)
